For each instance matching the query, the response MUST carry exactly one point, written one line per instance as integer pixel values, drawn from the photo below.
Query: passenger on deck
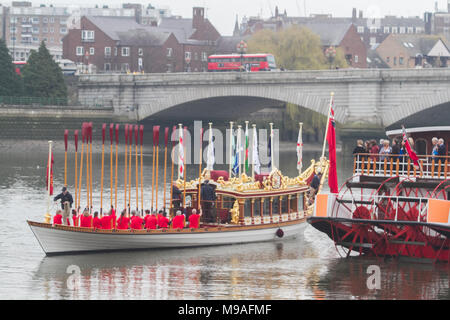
(178, 221)
(163, 221)
(123, 221)
(194, 219)
(57, 219)
(359, 148)
(385, 151)
(434, 151)
(395, 147)
(151, 221)
(97, 222)
(441, 148)
(86, 220)
(136, 221)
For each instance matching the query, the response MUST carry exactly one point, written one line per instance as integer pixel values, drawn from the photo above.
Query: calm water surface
(308, 267)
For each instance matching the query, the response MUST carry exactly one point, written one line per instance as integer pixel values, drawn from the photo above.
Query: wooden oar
(200, 171)
(126, 161)
(130, 143)
(111, 138)
(184, 166)
(136, 142)
(90, 166)
(153, 168)
(66, 137)
(83, 137)
(75, 134)
(117, 160)
(103, 160)
(174, 129)
(87, 167)
(141, 135)
(166, 140)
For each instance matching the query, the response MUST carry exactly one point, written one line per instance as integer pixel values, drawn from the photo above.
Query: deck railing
(432, 167)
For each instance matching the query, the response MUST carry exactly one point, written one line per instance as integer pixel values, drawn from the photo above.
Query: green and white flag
(246, 147)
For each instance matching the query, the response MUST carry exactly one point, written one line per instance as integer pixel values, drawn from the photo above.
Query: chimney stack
(198, 17)
(354, 14)
(448, 6)
(360, 14)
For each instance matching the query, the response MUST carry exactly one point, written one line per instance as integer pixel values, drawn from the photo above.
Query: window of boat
(228, 202)
(293, 203)
(284, 204)
(300, 203)
(275, 205)
(257, 207)
(248, 208)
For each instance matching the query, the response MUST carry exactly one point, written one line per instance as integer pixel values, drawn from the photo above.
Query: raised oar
(166, 140)
(75, 134)
(66, 137)
(174, 129)
(136, 142)
(200, 171)
(90, 165)
(111, 138)
(141, 135)
(153, 168)
(184, 166)
(87, 167)
(130, 143)
(126, 162)
(103, 160)
(83, 137)
(117, 160)
(157, 167)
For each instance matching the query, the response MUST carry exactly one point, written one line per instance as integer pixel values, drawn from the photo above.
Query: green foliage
(10, 81)
(294, 48)
(42, 76)
(314, 123)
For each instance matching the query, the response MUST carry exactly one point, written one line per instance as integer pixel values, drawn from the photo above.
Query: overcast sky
(222, 13)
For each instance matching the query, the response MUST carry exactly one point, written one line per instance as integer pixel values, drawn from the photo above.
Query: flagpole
(238, 144)
(327, 125)
(66, 136)
(272, 147)
(231, 148)
(126, 163)
(157, 170)
(200, 171)
(130, 137)
(83, 137)
(141, 136)
(172, 153)
(47, 215)
(210, 152)
(300, 167)
(90, 168)
(253, 148)
(166, 140)
(184, 167)
(103, 160)
(76, 169)
(136, 142)
(153, 168)
(117, 160)
(246, 148)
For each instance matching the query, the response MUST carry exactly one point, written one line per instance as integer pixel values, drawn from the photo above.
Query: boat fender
(280, 233)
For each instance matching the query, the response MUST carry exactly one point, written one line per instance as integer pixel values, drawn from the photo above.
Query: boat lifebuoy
(279, 233)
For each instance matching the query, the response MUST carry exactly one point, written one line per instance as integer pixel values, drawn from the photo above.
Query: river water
(308, 267)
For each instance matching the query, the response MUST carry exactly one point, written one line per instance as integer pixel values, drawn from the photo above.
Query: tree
(42, 76)
(10, 81)
(294, 48)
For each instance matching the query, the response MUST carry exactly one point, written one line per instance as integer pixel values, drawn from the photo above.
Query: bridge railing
(39, 101)
(432, 167)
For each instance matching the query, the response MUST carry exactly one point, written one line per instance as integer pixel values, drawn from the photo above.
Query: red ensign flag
(51, 176)
(331, 139)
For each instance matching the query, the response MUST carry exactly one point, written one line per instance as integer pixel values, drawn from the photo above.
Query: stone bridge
(370, 98)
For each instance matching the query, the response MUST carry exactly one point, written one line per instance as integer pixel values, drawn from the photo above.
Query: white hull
(57, 240)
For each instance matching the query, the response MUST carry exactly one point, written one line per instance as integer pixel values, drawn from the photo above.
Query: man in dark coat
(66, 203)
(208, 196)
(176, 197)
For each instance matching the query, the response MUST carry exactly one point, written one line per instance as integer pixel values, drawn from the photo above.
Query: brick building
(120, 44)
(413, 51)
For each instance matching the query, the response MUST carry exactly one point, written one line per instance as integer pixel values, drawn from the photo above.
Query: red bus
(19, 65)
(236, 62)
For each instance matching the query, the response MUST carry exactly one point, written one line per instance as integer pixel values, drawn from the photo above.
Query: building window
(52, 30)
(395, 61)
(12, 29)
(107, 51)
(400, 61)
(373, 30)
(402, 30)
(91, 51)
(140, 51)
(45, 30)
(115, 51)
(125, 67)
(386, 29)
(63, 30)
(35, 39)
(373, 40)
(410, 30)
(35, 30)
(394, 30)
(45, 20)
(107, 67)
(62, 21)
(169, 52)
(80, 51)
(125, 51)
(87, 35)
(356, 59)
(169, 68)
(187, 55)
(388, 59)
(52, 20)
(419, 30)
(35, 20)
(360, 29)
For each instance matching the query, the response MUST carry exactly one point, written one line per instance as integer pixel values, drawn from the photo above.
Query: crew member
(178, 221)
(97, 222)
(194, 219)
(151, 222)
(75, 218)
(136, 221)
(123, 221)
(86, 219)
(107, 221)
(66, 198)
(163, 221)
(314, 186)
(208, 196)
(176, 197)
(57, 219)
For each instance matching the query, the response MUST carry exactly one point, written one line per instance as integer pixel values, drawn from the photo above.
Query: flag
(411, 153)
(180, 154)
(270, 151)
(331, 139)
(255, 152)
(210, 161)
(246, 149)
(51, 176)
(236, 154)
(300, 150)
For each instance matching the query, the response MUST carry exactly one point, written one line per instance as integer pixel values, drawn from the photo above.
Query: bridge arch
(313, 102)
(415, 105)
